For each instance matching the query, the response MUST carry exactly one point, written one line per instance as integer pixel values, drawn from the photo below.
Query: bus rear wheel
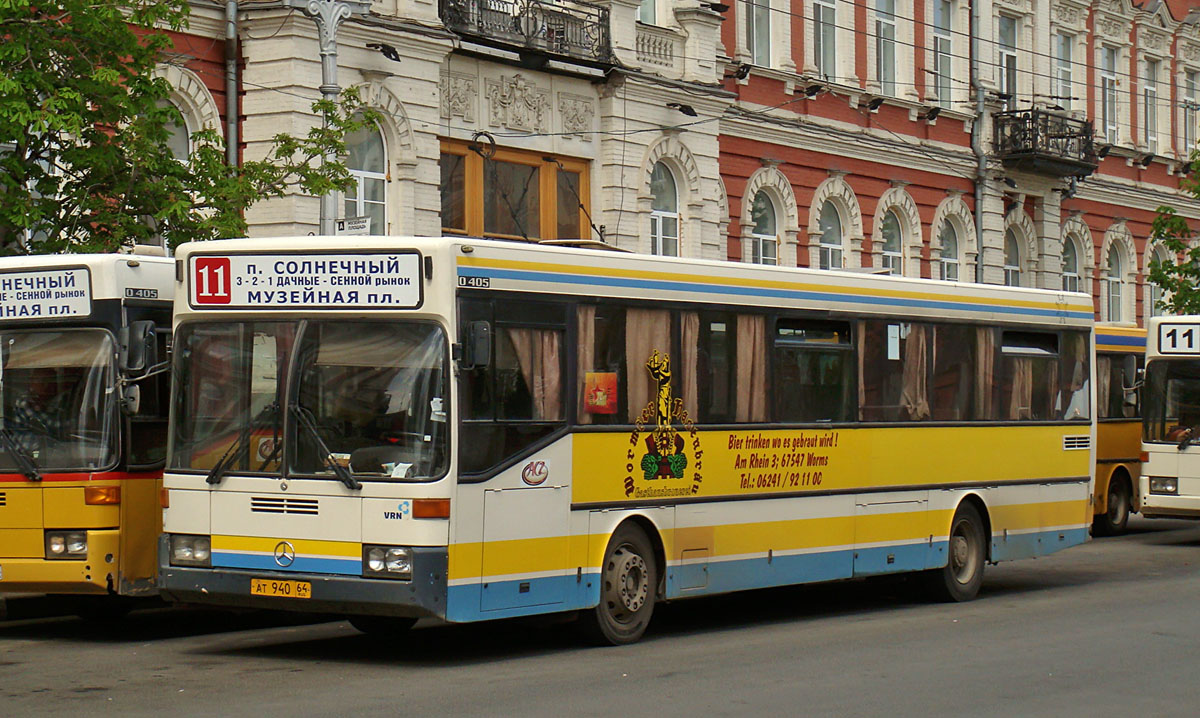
(1115, 520)
(961, 577)
(628, 583)
(382, 626)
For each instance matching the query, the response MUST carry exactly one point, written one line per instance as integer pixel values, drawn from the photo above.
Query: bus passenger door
(891, 532)
(525, 547)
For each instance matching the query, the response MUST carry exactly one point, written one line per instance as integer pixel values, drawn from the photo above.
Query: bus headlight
(66, 544)
(1164, 485)
(191, 550)
(387, 562)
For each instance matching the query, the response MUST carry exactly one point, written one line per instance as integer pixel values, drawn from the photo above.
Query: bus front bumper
(423, 596)
(30, 572)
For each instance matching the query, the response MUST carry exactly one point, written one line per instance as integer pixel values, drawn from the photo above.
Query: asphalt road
(1111, 628)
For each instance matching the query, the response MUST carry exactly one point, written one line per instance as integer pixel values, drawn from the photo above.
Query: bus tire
(961, 577)
(382, 626)
(628, 583)
(1115, 519)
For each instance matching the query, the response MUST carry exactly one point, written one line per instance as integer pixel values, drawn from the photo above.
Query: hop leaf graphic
(650, 465)
(677, 462)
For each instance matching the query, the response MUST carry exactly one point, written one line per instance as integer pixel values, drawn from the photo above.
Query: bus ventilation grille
(3, 498)
(1082, 441)
(283, 505)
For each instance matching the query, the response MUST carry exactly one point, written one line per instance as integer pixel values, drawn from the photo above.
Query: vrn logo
(404, 508)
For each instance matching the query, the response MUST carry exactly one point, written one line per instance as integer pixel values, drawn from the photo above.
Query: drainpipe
(231, 83)
(977, 143)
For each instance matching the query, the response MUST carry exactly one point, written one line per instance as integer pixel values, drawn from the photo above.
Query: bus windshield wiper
(305, 418)
(21, 456)
(242, 444)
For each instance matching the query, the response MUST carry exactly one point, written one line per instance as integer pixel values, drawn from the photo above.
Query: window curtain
(539, 354)
(689, 364)
(914, 396)
(860, 349)
(1104, 386)
(1020, 403)
(985, 370)
(751, 367)
(586, 316)
(646, 331)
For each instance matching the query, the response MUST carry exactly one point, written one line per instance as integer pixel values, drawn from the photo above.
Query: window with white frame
(948, 257)
(764, 235)
(758, 31)
(648, 12)
(1150, 105)
(943, 17)
(179, 138)
(1070, 266)
(1012, 259)
(1063, 44)
(1008, 60)
(1191, 94)
(825, 37)
(890, 256)
(664, 211)
(1159, 255)
(830, 248)
(1108, 94)
(367, 164)
(1113, 285)
(885, 46)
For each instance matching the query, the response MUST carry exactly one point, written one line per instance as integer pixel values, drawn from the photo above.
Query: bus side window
(1029, 368)
(893, 371)
(148, 427)
(814, 361)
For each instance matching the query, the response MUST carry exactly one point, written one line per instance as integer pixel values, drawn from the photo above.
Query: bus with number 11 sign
(463, 429)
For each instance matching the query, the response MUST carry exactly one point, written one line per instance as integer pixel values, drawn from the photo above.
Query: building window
(948, 259)
(891, 258)
(1191, 96)
(885, 46)
(179, 138)
(764, 236)
(648, 12)
(1008, 61)
(1070, 266)
(830, 248)
(513, 195)
(1157, 295)
(943, 16)
(1108, 94)
(1150, 103)
(758, 31)
(367, 164)
(825, 38)
(1062, 69)
(664, 212)
(1012, 259)
(1114, 287)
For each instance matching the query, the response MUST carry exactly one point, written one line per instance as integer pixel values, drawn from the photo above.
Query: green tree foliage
(84, 124)
(1179, 274)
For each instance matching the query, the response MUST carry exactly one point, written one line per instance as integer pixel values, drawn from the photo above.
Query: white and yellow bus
(465, 429)
(83, 425)
(1170, 482)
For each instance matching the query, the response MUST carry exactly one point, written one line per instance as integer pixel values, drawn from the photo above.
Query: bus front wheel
(1115, 520)
(628, 582)
(961, 577)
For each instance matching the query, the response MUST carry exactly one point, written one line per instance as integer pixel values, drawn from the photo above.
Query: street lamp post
(329, 15)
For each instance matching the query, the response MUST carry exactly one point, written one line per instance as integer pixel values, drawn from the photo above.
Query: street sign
(353, 226)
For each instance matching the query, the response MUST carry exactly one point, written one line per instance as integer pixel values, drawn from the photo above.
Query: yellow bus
(82, 425)
(1120, 353)
(391, 428)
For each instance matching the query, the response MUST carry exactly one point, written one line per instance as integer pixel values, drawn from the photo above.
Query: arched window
(831, 237)
(764, 236)
(1114, 287)
(367, 163)
(179, 137)
(1012, 259)
(664, 212)
(948, 239)
(1157, 294)
(890, 257)
(1070, 266)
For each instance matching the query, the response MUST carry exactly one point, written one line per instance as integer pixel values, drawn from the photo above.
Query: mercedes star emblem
(285, 554)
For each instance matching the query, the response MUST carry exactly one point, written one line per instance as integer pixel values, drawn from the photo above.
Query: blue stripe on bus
(531, 276)
(1108, 339)
(302, 564)
(525, 597)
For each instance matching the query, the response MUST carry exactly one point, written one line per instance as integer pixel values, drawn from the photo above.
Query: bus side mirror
(1130, 376)
(138, 347)
(477, 349)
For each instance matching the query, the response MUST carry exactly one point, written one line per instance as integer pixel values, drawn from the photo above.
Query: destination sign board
(39, 294)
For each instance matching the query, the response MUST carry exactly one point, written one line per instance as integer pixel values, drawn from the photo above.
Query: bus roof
(64, 286)
(517, 266)
(1173, 337)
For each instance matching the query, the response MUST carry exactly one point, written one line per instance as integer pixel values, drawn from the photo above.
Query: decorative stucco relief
(576, 113)
(515, 103)
(458, 96)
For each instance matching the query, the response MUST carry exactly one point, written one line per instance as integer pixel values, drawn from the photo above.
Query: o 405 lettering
(475, 282)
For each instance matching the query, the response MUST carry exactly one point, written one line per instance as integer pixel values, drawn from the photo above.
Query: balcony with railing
(572, 31)
(1046, 142)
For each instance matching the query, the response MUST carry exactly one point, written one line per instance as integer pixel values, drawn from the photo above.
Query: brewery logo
(665, 462)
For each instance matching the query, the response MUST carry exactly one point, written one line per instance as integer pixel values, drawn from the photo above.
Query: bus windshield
(1171, 399)
(57, 399)
(367, 397)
